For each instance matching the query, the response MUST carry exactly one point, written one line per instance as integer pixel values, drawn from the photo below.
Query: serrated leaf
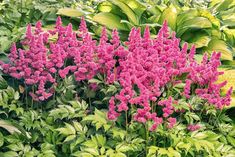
(69, 138)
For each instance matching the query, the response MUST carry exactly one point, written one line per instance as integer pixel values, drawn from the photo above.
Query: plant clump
(146, 69)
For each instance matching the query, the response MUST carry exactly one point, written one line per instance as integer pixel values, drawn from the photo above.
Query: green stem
(32, 98)
(126, 122)
(146, 138)
(26, 96)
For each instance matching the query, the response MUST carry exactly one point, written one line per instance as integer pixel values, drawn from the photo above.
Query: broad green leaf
(224, 5)
(184, 16)
(136, 6)
(5, 43)
(10, 154)
(199, 135)
(195, 23)
(110, 20)
(200, 40)
(1, 139)
(9, 126)
(105, 6)
(220, 46)
(127, 10)
(207, 14)
(70, 12)
(170, 15)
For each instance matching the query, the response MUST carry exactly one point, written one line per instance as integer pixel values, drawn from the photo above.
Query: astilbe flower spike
(144, 68)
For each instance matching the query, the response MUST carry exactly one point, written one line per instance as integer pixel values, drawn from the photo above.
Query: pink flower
(172, 122)
(193, 127)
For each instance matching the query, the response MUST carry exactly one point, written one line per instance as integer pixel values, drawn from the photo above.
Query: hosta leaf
(200, 135)
(200, 40)
(127, 10)
(1, 139)
(187, 15)
(70, 12)
(105, 6)
(169, 14)
(220, 46)
(9, 126)
(136, 6)
(224, 5)
(195, 23)
(110, 20)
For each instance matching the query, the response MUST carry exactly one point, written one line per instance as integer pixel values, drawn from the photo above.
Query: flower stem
(146, 138)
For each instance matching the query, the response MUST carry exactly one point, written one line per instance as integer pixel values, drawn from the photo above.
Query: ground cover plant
(65, 94)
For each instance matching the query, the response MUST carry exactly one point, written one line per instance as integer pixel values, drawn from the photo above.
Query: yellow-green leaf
(109, 20)
(70, 12)
(220, 46)
(127, 10)
(169, 14)
(195, 23)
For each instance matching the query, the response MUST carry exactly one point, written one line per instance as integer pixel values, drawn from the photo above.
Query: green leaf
(82, 154)
(199, 135)
(109, 20)
(122, 148)
(1, 139)
(70, 138)
(200, 39)
(136, 6)
(127, 10)
(10, 154)
(195, 23)
(224, 5)
(220, 46)
(231, 140)
(70, 12)
(92, 151)
(68, 130)
(9, 126)
(169, 14)
(184, 16)
(101, 140)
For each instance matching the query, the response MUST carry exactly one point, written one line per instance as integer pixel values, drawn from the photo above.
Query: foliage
(91, 110)
(74, 121)
(210, 28)
(14, 15)
(70, 128)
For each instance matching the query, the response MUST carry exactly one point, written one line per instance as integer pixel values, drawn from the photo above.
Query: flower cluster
(153, 65)
(144, 67)
(193, 127)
